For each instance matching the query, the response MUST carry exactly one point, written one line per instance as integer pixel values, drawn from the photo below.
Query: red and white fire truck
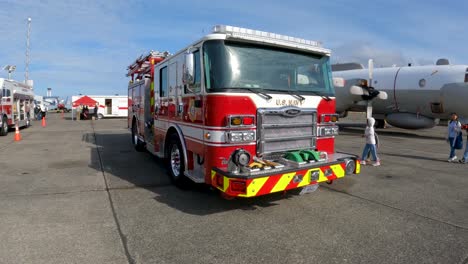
(246, 111)
(16, 105)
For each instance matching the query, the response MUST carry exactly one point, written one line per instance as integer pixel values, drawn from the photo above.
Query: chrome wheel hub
(175, 160)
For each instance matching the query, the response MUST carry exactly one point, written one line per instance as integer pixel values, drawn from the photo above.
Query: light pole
(9, 69)
(28, 48)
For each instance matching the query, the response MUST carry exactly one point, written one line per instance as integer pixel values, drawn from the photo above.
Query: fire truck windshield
(232, 65)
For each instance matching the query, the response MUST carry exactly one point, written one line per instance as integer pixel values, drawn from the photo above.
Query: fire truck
(246, 111)
(16, 105)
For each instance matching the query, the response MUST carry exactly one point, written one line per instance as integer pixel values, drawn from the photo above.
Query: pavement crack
(122, 236)
(143, 186)
(398, 209)
(51, 193)
(465, 261)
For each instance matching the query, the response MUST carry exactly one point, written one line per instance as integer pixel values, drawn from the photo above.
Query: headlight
(248, 136)
(235, 136)
(240, 136)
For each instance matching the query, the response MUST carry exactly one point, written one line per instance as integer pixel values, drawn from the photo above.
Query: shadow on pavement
(125, 168)
(414, 157)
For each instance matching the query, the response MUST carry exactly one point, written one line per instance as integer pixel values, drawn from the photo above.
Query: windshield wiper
(326, 97)
(256, 91)
(297, 95)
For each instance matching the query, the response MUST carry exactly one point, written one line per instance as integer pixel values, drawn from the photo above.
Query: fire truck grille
(285, 129)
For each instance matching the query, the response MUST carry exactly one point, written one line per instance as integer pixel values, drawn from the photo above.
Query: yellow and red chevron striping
(277, 182)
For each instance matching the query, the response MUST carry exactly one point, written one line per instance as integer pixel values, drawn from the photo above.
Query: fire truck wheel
(139, 146)
(4, 128)
(175, 161)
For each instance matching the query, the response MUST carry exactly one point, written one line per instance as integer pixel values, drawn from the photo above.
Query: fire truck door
(148, 111)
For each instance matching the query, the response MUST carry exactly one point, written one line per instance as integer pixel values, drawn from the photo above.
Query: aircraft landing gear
(380, 123)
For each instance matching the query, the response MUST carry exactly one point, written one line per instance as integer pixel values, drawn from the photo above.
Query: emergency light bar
(268, 37)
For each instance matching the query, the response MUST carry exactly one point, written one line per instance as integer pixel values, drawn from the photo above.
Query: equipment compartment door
(108, 104)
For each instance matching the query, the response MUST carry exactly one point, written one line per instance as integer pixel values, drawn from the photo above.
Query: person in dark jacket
(465, 156)
(454, 128)
(37, 112)
(85, 112)
(95, 111)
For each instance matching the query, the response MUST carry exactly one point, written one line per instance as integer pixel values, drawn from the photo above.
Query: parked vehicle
(245, 111)
(16, 105)
(108, 105)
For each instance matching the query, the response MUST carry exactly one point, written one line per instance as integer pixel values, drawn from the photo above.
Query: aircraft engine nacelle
(356, 90)
(410, 121)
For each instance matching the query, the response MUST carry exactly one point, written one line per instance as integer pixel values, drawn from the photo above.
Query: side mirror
(189, 68)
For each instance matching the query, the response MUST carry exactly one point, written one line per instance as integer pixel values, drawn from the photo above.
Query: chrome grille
(284, 129)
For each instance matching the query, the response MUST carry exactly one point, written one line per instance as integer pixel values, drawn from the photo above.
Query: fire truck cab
(16, 105)
(246, 111)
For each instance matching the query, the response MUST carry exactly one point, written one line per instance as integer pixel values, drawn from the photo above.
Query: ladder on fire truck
(142, 65)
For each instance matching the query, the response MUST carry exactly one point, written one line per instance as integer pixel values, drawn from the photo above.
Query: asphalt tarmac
(77, 192)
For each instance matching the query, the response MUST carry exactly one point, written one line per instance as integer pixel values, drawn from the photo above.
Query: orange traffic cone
(17, 133)
(43, 122)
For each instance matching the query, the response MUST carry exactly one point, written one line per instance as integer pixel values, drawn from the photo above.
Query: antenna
(28, 59)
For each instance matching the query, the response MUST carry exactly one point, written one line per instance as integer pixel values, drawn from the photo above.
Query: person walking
(95, 111)
(454, 128)
(465, 155)
(37, 112)
(369, 134)
(43, 111)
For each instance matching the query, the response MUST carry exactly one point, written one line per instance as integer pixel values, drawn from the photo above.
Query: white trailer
(108, 105)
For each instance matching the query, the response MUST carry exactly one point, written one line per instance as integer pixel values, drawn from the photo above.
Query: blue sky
(84, 46)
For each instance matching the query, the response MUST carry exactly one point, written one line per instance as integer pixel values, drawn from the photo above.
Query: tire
(100, 116)
(175, 162)
(4, 127)
(137, 143)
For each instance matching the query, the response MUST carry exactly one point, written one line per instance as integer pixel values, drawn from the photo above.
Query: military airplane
(418, 96)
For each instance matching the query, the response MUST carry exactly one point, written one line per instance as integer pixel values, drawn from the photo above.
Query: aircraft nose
(455, 98)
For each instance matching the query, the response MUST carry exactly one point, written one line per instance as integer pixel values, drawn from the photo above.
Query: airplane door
(416, 88)
(115, 107)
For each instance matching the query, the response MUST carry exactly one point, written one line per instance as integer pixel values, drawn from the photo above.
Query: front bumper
(287, 177)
